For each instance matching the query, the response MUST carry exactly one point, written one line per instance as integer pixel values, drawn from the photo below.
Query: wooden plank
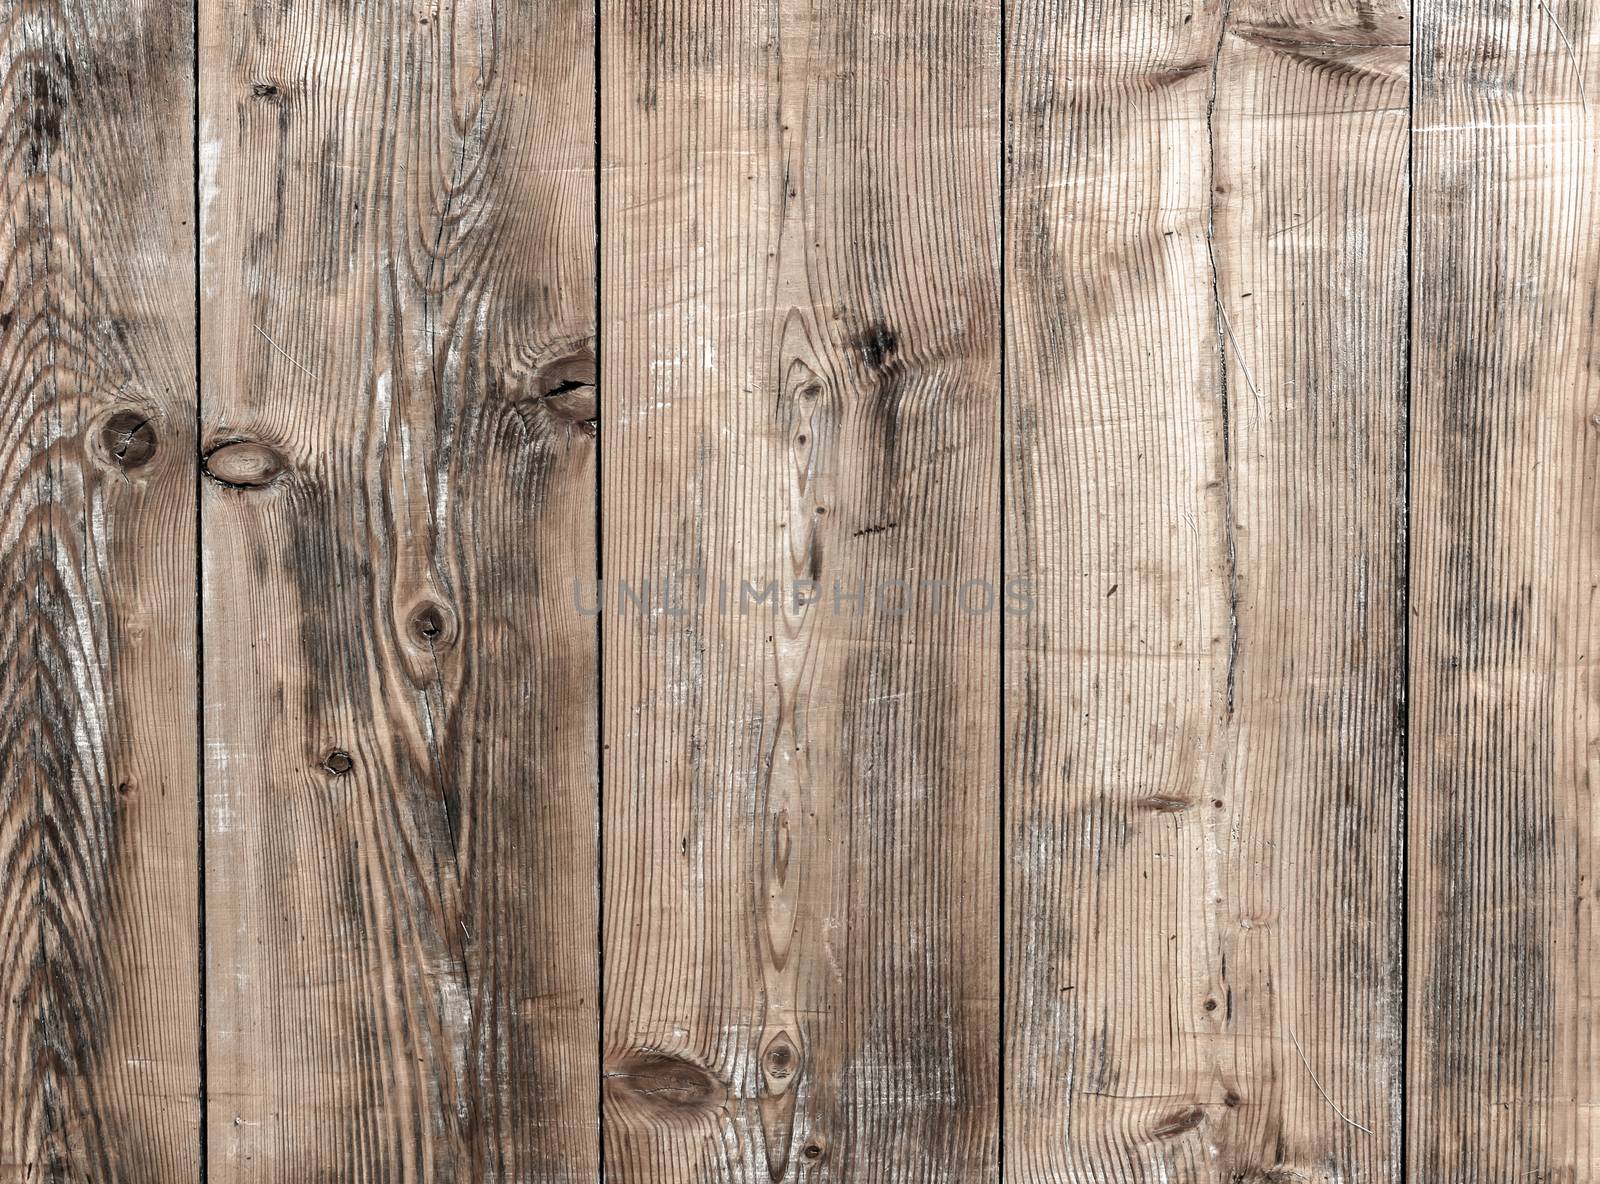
(99, 1033)
(400, 766)
(1205, 271)
(1505, 1061)
(800, 360)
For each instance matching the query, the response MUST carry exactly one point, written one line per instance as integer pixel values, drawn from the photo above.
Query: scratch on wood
(1572, 54)
(292, 360)
(1320, 1090)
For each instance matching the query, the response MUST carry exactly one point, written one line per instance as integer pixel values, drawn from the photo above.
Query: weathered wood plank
(1206, 323)
(800, 361)
(99, 1003)
(400, 766)
(1505, 1061)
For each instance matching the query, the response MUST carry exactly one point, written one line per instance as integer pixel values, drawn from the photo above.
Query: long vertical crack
(1224, 333)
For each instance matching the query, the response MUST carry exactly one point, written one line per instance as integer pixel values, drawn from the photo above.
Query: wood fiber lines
(800, 330)
(397, 308)
(798, 591)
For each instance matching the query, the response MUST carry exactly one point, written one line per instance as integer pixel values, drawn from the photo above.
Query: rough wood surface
(1504, 1073)
(800, 353)
(99, 1007)
(1166, 759)
(400, 706)
(1205, 412)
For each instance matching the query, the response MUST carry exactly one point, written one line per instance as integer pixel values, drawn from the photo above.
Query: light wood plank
(400, 766)
(99, 962)
(1206, 325)
(1505, 1060)
(800, 371)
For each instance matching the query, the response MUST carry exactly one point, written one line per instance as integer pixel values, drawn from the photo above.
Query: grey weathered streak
(1206, 222)
(1505, 1064)
(99, 1017)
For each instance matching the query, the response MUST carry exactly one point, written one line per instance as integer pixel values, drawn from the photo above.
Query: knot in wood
(665, 1086)
(242, 464)
(128, 439)
(337, 763)
(430, 625)
(781, 1062)
(567, 391)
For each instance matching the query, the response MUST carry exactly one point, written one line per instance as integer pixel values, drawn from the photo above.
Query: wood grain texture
(1279, 288)
(400, 701)
(99, 1007)
(1205, 421)
(1504, 1076)
(800, 359)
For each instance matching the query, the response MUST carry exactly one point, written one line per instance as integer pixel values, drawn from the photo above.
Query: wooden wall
(1168, 435)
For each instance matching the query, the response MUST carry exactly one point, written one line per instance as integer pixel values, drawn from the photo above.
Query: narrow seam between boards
(199, 621)
(599, 638)
(1404, 712)
(1005, 144)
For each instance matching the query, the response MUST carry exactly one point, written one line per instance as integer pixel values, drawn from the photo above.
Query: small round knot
(129, 439)
(430, 625)
(337, 763)
(780, 1062)
(814, 1150)
(567, 391)
(242, 464)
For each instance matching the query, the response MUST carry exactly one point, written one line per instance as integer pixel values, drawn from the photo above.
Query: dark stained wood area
(400, 705)
(100, 1060)
(799, 592)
